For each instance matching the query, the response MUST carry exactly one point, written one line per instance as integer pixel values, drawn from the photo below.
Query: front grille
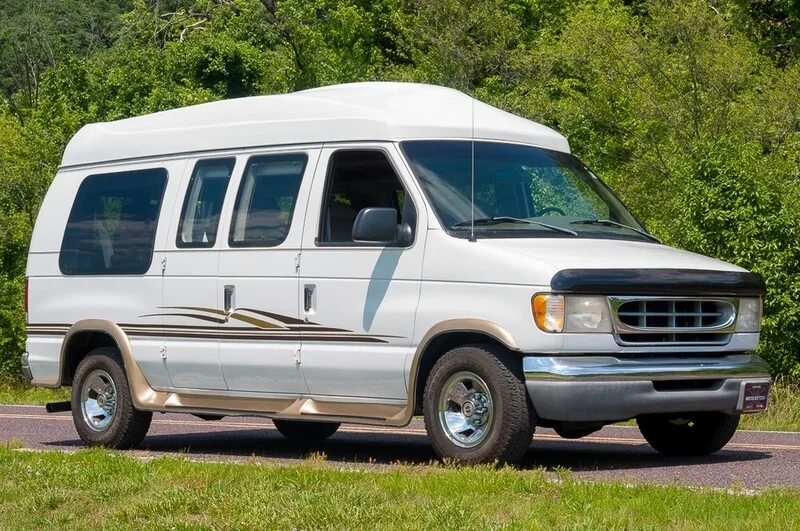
(656, 313)
(649, 320)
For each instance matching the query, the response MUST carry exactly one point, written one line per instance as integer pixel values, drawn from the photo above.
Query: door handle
(228, 296)
(308, 298)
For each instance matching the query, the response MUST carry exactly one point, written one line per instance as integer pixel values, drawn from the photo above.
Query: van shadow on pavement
(390, 448)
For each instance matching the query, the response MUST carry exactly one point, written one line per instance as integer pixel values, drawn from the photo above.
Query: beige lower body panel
(146, 398)
(302, 408)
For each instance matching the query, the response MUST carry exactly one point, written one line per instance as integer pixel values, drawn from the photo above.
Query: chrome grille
(658, 320)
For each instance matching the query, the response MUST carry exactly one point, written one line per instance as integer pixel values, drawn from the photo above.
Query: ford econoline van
(366, 253)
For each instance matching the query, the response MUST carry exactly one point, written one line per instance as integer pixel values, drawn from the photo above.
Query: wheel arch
(444, 337)
(88, 334)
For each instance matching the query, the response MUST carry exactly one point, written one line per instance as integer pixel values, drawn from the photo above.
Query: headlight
(749, 318)
(587, 314)
(571, 313)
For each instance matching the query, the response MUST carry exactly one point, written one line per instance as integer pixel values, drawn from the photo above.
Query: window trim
(157, 221)
(232, 228)
(372, 245)
(179, 243)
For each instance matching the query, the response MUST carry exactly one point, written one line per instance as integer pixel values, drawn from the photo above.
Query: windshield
(520, 191)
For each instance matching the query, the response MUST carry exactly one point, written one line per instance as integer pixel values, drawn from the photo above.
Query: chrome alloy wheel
(98, 400)
(466, 409)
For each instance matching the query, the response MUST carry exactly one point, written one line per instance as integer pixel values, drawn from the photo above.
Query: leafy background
(689, 109)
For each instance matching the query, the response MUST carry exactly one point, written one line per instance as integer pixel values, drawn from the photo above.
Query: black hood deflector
(681, 282)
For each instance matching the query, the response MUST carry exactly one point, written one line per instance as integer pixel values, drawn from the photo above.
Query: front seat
(341, 219)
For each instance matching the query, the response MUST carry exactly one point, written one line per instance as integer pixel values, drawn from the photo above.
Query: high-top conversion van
(369, 252)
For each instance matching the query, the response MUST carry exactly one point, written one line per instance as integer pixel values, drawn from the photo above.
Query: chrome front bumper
(606, 388)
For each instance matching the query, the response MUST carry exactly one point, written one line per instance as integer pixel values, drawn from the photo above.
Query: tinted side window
(357, 180)
(201, 208)
(265, 201)
(112, 226)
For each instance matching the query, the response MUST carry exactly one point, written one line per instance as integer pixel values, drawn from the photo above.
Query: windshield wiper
(508, 219)
(612, 223)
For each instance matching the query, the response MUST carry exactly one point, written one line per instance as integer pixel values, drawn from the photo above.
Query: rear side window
(266, 199)
(112, 226)
(203, 203)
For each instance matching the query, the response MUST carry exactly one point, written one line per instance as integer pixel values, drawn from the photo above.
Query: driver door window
(360, 179)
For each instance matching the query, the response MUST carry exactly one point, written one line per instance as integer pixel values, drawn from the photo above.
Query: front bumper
(608, 389)
(26, 368)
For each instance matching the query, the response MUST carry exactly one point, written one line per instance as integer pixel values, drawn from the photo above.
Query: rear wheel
(102, 409)
(688, 434)
(302, 430)
(476, 406)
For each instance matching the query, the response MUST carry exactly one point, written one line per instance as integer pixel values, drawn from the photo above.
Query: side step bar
(58, 407)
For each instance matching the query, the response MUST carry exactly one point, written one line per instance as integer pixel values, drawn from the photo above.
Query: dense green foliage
(688, 109)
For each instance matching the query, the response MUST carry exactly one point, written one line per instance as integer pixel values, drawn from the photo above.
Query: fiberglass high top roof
(339, 113)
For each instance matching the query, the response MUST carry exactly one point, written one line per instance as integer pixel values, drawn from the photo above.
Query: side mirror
(375, 225)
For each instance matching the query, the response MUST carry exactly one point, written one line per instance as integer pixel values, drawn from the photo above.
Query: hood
(606, 254)
(534, 261)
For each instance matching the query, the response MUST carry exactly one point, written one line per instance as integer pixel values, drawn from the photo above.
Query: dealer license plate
(756, 396)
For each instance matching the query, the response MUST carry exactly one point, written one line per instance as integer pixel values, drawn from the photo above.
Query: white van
(366, 253)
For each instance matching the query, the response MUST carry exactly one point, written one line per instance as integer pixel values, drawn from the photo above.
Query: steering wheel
(547, 210)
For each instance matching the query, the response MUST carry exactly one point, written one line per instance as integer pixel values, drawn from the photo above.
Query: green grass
(18, 393)
(104, 489)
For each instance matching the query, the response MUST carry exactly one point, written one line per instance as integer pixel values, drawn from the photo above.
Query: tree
(693, 126)
(35, 35)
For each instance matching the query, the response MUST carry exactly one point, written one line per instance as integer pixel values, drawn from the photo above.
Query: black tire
(303, 430)
(128, 426)
(688, 434)
(513, 420)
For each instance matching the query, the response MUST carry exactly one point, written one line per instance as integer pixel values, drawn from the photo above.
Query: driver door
(358, 299)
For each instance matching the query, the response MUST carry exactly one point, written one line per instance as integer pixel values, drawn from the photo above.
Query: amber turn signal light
(548, 312)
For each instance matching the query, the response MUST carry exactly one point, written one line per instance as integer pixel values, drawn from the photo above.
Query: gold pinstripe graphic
(221, 333)
(284, 328)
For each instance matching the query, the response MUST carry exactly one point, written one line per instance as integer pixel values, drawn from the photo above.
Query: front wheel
(102, 409)
(476, 406)
(688, 434)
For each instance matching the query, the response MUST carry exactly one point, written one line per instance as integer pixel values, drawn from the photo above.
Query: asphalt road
(753, 460)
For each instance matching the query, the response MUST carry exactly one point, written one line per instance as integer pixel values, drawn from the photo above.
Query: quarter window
(266, 199)
(112, 226)
(203, 203)
(358, 179)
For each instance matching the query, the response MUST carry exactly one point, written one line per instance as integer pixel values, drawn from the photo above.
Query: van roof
(349, 112)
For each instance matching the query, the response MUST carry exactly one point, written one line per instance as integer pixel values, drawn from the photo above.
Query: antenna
(472, 174)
